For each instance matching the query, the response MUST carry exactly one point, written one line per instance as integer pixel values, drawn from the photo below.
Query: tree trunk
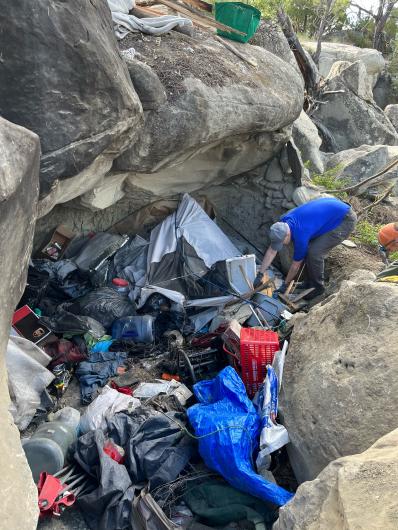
(307, 67)
(321, 30)
(383, 14)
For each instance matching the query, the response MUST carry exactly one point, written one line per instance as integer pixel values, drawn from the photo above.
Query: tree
(380, 18)
(327, 12)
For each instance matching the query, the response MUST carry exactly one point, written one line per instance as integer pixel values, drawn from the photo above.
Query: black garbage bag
(109, 506)
(36, 286)
(62, 321)
(104, 305)
(157, 448)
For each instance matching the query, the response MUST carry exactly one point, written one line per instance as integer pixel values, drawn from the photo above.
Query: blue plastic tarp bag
(229, 425)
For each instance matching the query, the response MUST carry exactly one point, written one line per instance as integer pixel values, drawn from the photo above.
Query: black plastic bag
(104, 305)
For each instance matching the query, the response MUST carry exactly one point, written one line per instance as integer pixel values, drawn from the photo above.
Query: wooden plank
(203, 19)
(302, 295)
(199, 4)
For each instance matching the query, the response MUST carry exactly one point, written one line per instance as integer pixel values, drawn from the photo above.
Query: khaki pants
(320, 246)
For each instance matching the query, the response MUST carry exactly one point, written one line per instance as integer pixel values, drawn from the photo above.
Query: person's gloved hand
(258, 280)
(281, 290)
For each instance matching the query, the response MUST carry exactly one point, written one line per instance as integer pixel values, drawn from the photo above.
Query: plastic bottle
(138, 328)
(46, 449)
(120, 285)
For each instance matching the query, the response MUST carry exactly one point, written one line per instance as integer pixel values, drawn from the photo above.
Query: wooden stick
(249, 60)
(302, 295)
(248, 282)
(199, 4)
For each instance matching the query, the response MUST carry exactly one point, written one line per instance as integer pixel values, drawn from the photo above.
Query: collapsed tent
(184, 248)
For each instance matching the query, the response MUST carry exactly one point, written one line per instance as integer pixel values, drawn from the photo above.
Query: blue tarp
(228, 426)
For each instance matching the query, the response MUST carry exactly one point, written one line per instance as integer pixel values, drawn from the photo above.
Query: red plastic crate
(257, 349)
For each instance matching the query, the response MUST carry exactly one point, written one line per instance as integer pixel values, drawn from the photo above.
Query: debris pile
(169, 342)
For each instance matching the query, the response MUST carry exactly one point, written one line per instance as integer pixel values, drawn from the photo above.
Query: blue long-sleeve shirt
(311, 220)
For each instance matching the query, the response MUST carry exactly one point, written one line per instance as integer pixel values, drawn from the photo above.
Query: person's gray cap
(278, 232)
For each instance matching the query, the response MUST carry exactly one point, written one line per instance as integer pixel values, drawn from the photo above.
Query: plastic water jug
(137, 328)
(46, 449)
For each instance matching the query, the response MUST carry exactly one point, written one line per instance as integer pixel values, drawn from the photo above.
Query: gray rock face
(223, 117)
(334, 51)
(352, 120)
(19, 183)
(354, 492)
(341, 374)
(356, 165)
(63, 78)
(147, 84)
(391, 111)
(306, 137)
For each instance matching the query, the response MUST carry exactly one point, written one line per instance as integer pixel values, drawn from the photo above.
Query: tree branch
(379, 200)
(364, 10)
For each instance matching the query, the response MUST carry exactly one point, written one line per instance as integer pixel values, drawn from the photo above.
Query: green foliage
(366, 233)
(305, 14)
(393, 256)
(329, 181)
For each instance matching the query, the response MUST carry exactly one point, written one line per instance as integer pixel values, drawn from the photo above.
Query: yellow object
(391, 279)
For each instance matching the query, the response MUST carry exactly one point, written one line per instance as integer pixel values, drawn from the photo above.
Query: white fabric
(192, 223)
(125, 23)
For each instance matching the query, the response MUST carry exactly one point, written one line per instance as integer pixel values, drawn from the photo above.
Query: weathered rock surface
(351, 119)
(333, 51)
(63, 78)
(222, 118)
(19, 183)
(356, 165)
(384, 92)
(306, 137)
(341, 375)
(353, 492)
(391, 111)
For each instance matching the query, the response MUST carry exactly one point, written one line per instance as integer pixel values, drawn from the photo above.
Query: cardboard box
(59, 242)
(26, 323)
(231, 336)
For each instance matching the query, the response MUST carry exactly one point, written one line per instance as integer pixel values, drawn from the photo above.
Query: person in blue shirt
(314, 228)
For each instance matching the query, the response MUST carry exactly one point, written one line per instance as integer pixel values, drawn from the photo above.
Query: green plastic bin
(237, 15)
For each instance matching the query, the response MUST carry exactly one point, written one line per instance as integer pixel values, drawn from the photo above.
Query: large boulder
(356, 165)
(307, 139)
(391, 111)
(333, 51)
(353, 492)
(19, 187)
(63, 78)
(223, 116)
(341, 375)
(348, 111)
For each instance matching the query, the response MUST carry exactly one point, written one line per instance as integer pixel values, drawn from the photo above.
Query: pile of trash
(199, 431)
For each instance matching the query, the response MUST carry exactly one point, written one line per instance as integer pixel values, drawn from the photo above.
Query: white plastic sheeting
(125, 23)
(193, 224)
(27, 378)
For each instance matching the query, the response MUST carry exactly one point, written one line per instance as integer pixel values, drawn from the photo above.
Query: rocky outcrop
(306, 137)
(222, 118)
(349, 112)
(354, 492)
(341, 375)
(63, 78)
(19, 183)
(356, 165)
(391, 111)
(333, 51)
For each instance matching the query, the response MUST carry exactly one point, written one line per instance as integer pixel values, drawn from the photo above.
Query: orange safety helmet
(388, 237)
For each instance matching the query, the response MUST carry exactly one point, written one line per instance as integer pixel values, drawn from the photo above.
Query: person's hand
(258, 280)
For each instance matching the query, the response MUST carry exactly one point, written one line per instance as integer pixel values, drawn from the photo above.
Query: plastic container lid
(43, 454)
(119, 282)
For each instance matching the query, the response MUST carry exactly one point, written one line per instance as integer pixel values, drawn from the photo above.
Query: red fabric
(64, 351)
(122, 389)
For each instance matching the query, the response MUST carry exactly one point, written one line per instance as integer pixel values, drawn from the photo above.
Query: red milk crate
(257, 349)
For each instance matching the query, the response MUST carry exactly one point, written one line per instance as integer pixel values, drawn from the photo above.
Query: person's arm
(268, 259)
(294, 268)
